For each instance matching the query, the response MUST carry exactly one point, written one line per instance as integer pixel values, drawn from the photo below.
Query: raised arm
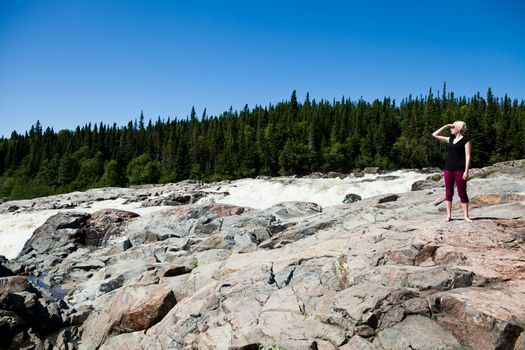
(438, 131)
(467, 161)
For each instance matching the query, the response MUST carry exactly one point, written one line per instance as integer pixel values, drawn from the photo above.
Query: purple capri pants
(457, 177)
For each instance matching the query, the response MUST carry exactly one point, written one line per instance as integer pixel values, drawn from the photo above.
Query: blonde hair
(461, 126)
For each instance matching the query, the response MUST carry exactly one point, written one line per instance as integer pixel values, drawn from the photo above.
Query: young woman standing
(457, 165)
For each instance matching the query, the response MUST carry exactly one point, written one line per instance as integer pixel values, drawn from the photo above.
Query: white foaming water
(17, 228)
(262, 194)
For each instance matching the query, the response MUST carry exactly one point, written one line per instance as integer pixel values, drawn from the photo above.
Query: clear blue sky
(70, 62)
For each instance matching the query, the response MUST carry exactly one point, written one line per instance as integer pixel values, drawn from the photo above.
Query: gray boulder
(388, 198)
(351, 198)
(430, 182)
(54, 233)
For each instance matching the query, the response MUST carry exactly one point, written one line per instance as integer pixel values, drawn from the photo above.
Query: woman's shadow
(487, 218)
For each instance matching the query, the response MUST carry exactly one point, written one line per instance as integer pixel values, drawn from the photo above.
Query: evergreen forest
(282, 139)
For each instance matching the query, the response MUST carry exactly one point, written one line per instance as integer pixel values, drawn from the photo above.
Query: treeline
(287, 138)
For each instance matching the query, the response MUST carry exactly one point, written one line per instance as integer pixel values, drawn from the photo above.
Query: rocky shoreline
(383, 273)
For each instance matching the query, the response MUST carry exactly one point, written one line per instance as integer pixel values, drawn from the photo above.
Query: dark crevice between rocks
(253, 238)
(177, 271)
(519, 337)
(224, 285)
(382, 260)
(511, 335)
(272, 280)
(253, 346)
(289, 278)
(430, 308)
(221, 222)
(372, 320)
(436, 307)
(300, 303)
(5, 270)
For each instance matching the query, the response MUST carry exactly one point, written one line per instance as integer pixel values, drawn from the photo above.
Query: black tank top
(456, 154)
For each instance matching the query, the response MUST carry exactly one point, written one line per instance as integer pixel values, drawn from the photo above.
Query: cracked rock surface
(371, 274)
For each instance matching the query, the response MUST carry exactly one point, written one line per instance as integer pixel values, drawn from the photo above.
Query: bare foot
(468, 219)
(447, 219)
